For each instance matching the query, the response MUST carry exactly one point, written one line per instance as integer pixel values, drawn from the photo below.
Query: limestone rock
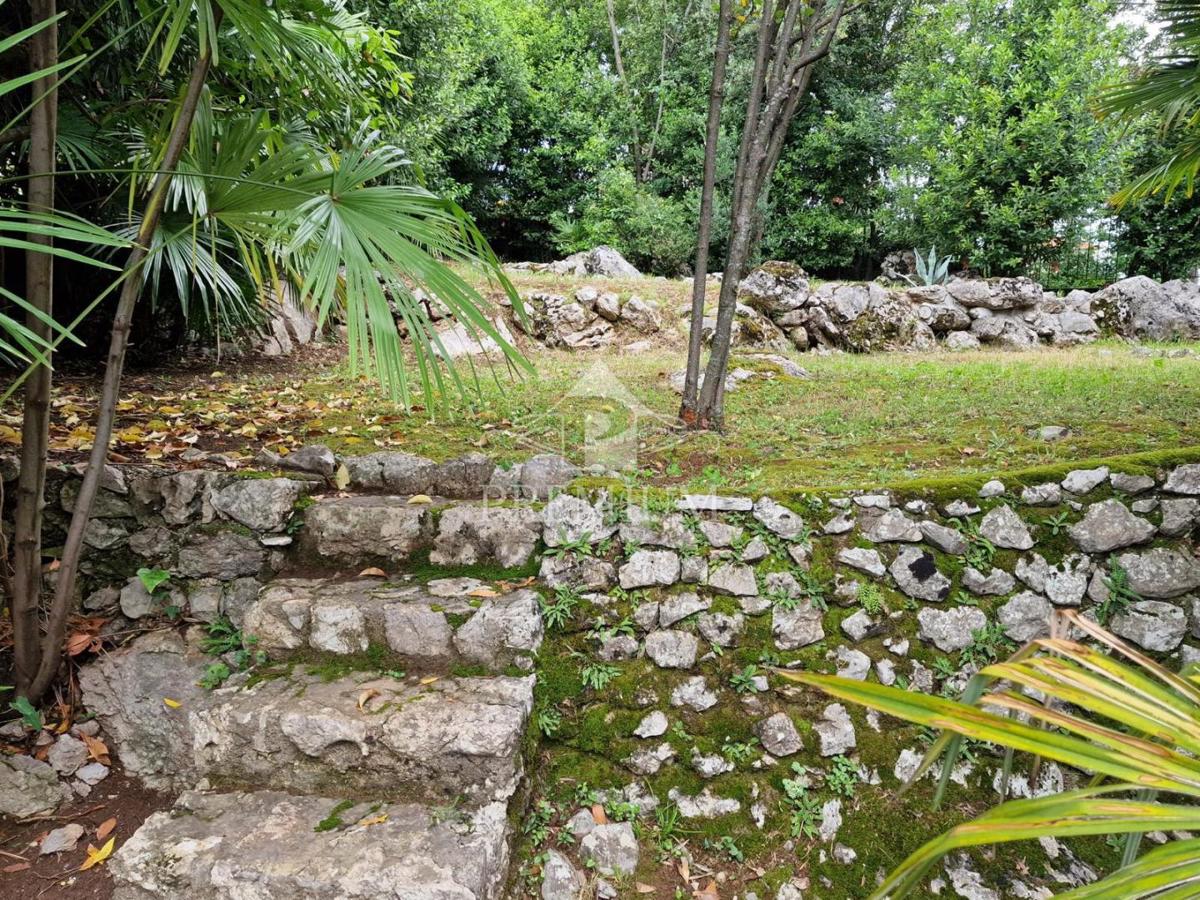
(1005, 529)
(835, 731)
(778, 518)
(261, 504)
(1152, 624)
(996, 583)
(648, 568)
(1108, 526)
(1131, 484)
(917, 575)
(357, 529)
(1084, 481)
(672, 649)
(948, 540)
(950, 629)
(567, 520)
(694, 694)
(721, 629)
(468, 535)
(1025, 617)
(797, 627)
(224, 555)
(502, 629)
(863, 559)
(738, 581)
(1161, 574)
(892, 526)
(560, 879)
(779, 735)
(29, 787)
(612, 849)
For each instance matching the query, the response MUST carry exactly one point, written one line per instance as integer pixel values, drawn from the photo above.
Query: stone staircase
(379, 753)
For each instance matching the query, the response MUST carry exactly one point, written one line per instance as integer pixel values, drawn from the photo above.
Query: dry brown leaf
(373, 820)
(105, 828)
(598, 814)
(97, 749)
(365, 697)
(685, 871)
(708, 892)
(95, 857)
(372, 572)
(483, 592)
(643, 888)
(16, 867)
(429, 679)
(341, 478)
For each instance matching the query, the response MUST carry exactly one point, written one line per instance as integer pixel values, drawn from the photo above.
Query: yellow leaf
(365, 697)
(373, 820)
(342, 477)
(173, 704)
(95, 857)
(420, 499)
(429, 679)
(483, 592)
(372, 572)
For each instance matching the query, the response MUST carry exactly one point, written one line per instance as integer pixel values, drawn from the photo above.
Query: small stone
(948, 540)
(678, 607)
(718, 534)
(694, 694)
(1025, 617)
(1131, 484)
(649, 568)
(721, 629)
(1179, 516)
(950, 629)
(713, 503)
(1005, 529)
(582, 823)
(892, 526)
(843, 854)
(778, 518)
(885, 671)
(755, 551)
(711, 765)
(61, 839)
(1048, 494)
(1084, 481)
(1109, 526)
(779, 735)
(92, 773)
(995, 584)
(1161, 574)
(873, 501)
(853, 664)
(991, 489)
(704, 805)
(1050, 433)
(839, 524)
(67, 754)
(1152, 624)
(959, 509)
(560, 880)
(835, 731)
(612, 849)
(798, 627)
(863, 559)
(917, 575)
(693, 570)
(736, 580)
(650, 761)
(858, 625)
(672, 649)
(1184, 480)
(653, 725)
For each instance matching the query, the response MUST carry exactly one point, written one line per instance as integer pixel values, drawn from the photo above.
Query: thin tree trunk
(716, 99)
(619, 62)
(26, 594)
(130, 291)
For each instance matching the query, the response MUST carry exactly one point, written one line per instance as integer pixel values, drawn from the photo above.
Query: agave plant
(1132, 723)
(931, 269)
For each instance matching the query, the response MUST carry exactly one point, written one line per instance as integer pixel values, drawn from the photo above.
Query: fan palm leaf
(1131, 722)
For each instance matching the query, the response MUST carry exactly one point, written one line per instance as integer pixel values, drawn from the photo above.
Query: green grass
(859, 421)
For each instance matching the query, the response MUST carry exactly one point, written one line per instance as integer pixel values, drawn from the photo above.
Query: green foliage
(537, 824)
(999, 158)
(549, 721)
(28, 713)
(597, 675)
(987, 645)
(222, 638)
(333, 821)
(1120, 594)
(870, 598)
(153, 579)
(558, 612)
(980, 551)
(743, 681)
(843, 776)
(933, 269)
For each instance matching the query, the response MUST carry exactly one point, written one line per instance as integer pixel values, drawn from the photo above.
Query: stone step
(357, 736)
(266, 844)
(363, 736)
(431, 626)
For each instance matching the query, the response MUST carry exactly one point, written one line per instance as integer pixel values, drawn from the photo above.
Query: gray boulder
(649, 568)
(560, 879)
(1139, 307)
(672, 649)
(916, 574)
(261, 504)
(1005, 529)
(465, 477)
(544, 475)
(567, 520)
(468, 535)
(893, 525)
(224, 555)
(950, 629)
(1152, 624)
(835, 731)
(778, 518)
(862, 559)
(611, 849)
(798, 627)
(29, 787)
(357, 529)
(1108, 526)
(1083, 481)
(779, 735)
(1184, 480)
(1025, 617)
(316, 459)
(501, 629)
(1161, 574)
(736, 580)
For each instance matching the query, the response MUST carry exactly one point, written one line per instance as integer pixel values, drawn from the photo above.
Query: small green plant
(980, 551)
(597, 675)
(153, 579)
(770, 659)
(870, 597)
(558, 612)
(29, 715)
(1120, 594)
(738, 751)
(843, 777)
(987, 645)
(602, 631)
(744, 681)
(549, 721)
(803, 809)
(333, 821)
(1056, 523)
(580, 546)
(223, 638)
(537, 823)
(725, 844)
(669, 828)
(943, 667)
(623, 811)
(215, 675)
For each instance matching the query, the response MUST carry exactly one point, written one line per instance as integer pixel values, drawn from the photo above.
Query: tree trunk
(716, 99)
(619, 62)
(130, 291)
(35, 427)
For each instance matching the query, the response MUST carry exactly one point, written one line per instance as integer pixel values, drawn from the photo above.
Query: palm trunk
(716, 99)
(130, 291)
(26, 582)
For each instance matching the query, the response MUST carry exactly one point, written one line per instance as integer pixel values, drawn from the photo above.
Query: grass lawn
(858, 421)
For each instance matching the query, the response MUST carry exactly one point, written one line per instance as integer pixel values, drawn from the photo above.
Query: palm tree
(343, 225)
(1167, 90)
(1134, 724)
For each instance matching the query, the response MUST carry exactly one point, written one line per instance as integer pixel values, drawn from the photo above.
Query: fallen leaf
(373, 820)
(709, 892)
(483, 592)
(372, 572)
(429, 679)
(643, 888)
(685, 871)
(104, 829)
(97, 749)
(598, 814)
(365, 697)
(173, 704)
(95, 857)
(341, 478)
(419, 499)
(16, 867)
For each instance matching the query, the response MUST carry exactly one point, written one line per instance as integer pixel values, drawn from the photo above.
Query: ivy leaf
(153, 579)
